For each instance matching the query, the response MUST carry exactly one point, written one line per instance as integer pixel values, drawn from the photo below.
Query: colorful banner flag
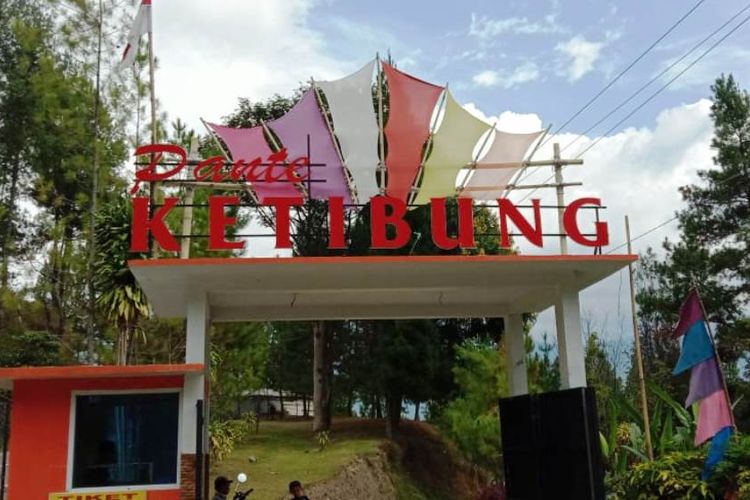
(141, 26)
(707, 386)
(705, 379)
(696, 347)
(713, 415)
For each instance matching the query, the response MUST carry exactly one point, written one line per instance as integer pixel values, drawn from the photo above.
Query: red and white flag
(141, 26)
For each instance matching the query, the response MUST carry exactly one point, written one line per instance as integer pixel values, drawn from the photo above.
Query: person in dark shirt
(295, 488)
(221, 487)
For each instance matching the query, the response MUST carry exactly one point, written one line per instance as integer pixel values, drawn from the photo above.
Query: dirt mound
(435, 464)
(366, 478)
(418, 451)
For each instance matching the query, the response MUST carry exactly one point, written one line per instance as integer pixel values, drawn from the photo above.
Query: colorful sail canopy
(505, 148)
(410, 106)
(247, 144)
(356, 126)
(452, 147)
(293, 128)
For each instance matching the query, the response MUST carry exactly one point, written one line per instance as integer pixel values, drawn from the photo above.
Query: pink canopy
(248, 144)
(292, 129)
(411, 103)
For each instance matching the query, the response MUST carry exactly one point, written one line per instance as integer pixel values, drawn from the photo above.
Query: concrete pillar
(196, 351)
(570, 340)
(515, 350)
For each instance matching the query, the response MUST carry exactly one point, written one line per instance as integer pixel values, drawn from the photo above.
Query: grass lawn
(288, 450)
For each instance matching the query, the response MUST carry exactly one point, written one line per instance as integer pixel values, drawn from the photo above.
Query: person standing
(221, 488)
(295, 489)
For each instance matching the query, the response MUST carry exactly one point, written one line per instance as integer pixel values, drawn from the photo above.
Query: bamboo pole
(560, 192)
(473, 164)
(637, 340)
(716, 353)
(418, 178)
(153, 186)
(336, 146)
(187, 211)
(381, 166)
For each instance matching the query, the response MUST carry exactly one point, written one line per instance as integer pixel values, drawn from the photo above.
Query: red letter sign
(218, 221)
(141, 225)
(149, 174)
(509, 210)
(282, 206)
(439, 224)
(570, 222)
(379, 221)
(336, 233)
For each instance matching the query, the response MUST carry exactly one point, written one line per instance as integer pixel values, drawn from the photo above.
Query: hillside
(358, 463)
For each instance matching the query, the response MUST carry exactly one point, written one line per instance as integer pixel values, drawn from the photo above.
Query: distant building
(267, 403)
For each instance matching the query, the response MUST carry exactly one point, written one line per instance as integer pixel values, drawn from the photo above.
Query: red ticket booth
(100, 433)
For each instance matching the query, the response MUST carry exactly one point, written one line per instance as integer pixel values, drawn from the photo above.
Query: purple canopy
(247, 144)
(293, 128)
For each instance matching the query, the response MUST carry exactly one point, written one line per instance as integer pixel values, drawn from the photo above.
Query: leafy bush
(224, 435)
(677, 475)
(471, 421)
(672, 476)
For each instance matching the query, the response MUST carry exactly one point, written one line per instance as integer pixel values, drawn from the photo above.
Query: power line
(651, 97)
(657, 77)
(665, 86)
(619, 75)
(662, 224)
(645, 233)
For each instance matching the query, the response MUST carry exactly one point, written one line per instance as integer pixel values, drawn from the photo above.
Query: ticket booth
(100, 432)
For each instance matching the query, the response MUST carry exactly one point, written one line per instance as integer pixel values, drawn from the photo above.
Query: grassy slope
(287, 450)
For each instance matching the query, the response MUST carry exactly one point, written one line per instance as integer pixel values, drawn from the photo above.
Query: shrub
(224, 435)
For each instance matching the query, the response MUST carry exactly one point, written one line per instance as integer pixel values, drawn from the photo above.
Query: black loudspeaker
(551, 446)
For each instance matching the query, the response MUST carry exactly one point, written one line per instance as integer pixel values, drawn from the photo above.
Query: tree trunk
(281, 404)
(321, 379)
(393, 402)
(416, 411)
(122, 345)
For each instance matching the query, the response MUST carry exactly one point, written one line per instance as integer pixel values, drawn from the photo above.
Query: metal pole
(153, 187)
(560, 199)
(199, 450)
(637, 340)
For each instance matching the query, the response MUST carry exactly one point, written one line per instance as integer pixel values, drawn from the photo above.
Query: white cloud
(211, 53)
(508, 121)
(635, 172)
(484, 27)
(579, 56)
(526, 72)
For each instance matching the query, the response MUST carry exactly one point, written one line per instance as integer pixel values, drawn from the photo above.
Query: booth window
(125, 439)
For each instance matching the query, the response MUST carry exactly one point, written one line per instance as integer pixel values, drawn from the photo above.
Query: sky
(529, 64)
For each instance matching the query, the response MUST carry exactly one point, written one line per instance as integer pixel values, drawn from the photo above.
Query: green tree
(712, 253)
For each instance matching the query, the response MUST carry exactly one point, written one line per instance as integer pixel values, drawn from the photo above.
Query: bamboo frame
(347, 174)
(637, 343)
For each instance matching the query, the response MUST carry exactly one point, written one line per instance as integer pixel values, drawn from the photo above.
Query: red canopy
(411, 103)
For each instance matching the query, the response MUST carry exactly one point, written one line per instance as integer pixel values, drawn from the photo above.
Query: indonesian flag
(141, 26)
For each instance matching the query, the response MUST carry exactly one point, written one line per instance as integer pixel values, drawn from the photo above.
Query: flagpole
(716, 353)
(153, 186)
(637, 341)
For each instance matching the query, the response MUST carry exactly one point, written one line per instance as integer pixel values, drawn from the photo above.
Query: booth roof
(8, 375)
(370, 287)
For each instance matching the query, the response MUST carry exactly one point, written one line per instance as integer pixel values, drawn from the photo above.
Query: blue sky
(530, 63)
(544, 57)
